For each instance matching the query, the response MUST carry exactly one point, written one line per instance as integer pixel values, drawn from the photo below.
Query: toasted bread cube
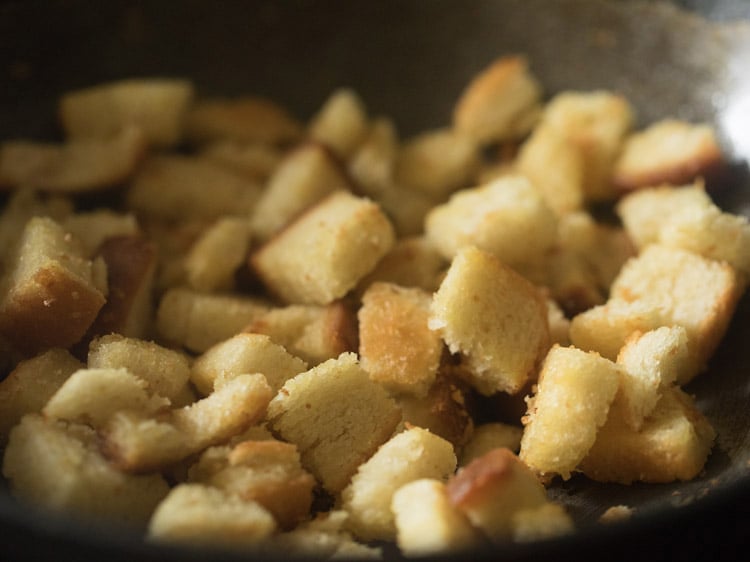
(428, 523)
(305, 176)
(643, 212)
(492, 316)
(437, 162)
(165, 371)
(324, 253)
(218, 253)
(244, 119)
(203, 515)
(571, 403)
(255, 161)
(91, 396)
(391, 315)
(74, 167)
(672, 444)
(245, 353)
(651, 362)
(310, 332)
(554, 167)
(156, 106)
(507, 217)
(30, 385)
(492, 489)
(501, 103)
(543, 522)
(488, 436)
(372, 165)
(50, 292)
(57, 466)
(412, 454)
(668, 151)
(559, 325)
(688, 290)
(412, 262)
(138, 443)
(596, 123)
(175, 187)
(341, 123)
(336, 416)
(405, 207)
(197, 321)
(131, 266)
(268, 472)
(94, 227)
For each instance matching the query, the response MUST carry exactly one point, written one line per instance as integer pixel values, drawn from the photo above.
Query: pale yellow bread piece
(218, 253)
(428, 523)
(571, 403)
(341, 123)
(372, 165)
(501, 103)
(540, 523)
(323, 254)
(488, 436)
(94, 227)
(412, 454)
(336, 416)
(391, 315)
(494, 317)
(672, 444)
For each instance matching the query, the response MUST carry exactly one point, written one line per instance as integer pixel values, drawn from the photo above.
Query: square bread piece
(665, 286)
(396, 346)
(336, 416)
(323, 254)
(50, 292)
(672, 444)
(494, 317)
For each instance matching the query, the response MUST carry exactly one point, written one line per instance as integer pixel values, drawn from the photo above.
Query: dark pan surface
(410, 60)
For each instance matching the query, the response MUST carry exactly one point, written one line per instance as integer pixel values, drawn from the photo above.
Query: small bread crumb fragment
(616, 514)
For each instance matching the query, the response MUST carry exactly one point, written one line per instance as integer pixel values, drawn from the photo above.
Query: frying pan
(410, 60)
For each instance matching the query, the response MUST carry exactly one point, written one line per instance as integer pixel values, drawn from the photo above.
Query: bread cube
(202, 515)
(323, 254)
(405, 207)
(544, 522)
(571, 282)
(336, 416)
(492, 489)
(672, 444)
(391, 315)
(268, 472)
(437, 162)
(57, 466)
(571, 403)
(157, 106)
(444, 410)
(651, 362)
(74, 167)
(596, 123)
(30, 385)
(165, 371)
(50, 294)
(507, 217)
(136, 442)
(94, 227)
(412, 262)
(305, 176)
(218, 253)
(427, 522)
(492, 316)
(501, 103)
(488, 436)
(341, 123)
(372, 165)
(91, 396)
(244, 119)
(559, 325)
(255, 161)
(172, 187)
(668, 151)
(554, 167)
(241, 354)
(197, 320)
(410, 455)
(643, 212)
(310, 332)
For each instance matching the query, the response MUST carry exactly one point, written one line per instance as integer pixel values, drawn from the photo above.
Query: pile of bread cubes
(318, 338)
